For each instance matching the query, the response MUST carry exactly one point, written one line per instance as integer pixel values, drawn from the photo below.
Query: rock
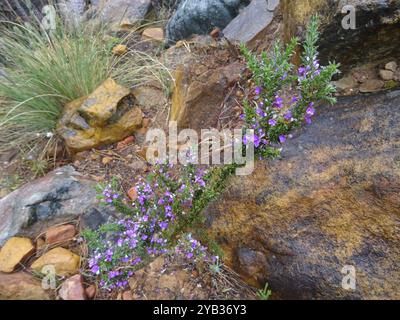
(371, 86)
(15, 251)
(120, 50)
(201, 17)
(72, 289)
(21, 286)
(132, 194)
(126, 142)
(60, 234)
(127, 295)
(347, 85)
(91, 291)
(106, 116)
(64, 261)
(332, 200)
(94, 218)
(63, 193)
(155, 34)
(200, 89)
(251, 22)
(392, 66)
(124, 12)
(377, 24)
(386, 75)
(149, 96)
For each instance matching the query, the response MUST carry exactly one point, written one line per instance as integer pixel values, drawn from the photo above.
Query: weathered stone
(156, 34)
(124, 12)
(371, 86)
(106, 116)
(346, 85)
(60, 234)
(377, 24)
(72, 289)
(149, 96)
(90, 291)
(386, 75)
(201, 17)
(251, 22)
(21, 286)
(197, 100)
(64, 261)
(392, 66)
(61, 193)
(120, 49)
(331, 200)
(14, 252)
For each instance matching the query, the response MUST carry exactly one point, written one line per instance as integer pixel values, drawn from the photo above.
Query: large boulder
(107, 115)
(201, 17)
(21, 286)
(377, 25)
(332, 200)
(61, 193)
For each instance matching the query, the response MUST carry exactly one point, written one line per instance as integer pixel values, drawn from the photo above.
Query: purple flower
(307, 118)
(278, 103)
(310, 110)
(163, 225)
(282, 138)
(288, 115)
(257, 91)
(302, 72)
(294, 100)
(272, 122)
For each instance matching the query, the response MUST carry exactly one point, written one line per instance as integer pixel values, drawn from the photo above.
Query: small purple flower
(307, 118)
(288, 115)
(272, 122)
(257, 91)
(282, 138)
(310, 110)
(278, 103)
(302, 72)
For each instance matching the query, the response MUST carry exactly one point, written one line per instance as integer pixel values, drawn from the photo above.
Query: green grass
(45, 70)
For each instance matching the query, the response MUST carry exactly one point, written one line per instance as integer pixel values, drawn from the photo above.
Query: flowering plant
(283, 96)
(120, 248)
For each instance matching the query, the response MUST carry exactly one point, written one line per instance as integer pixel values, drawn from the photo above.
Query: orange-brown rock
(21, 286)
(201, 88)
(120, 49)
(14, 252)
(154, 34)
(60, 234)
(332, 200)
(64, 261)
(106, 116)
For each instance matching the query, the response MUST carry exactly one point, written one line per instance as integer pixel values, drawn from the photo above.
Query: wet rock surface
(63, 193)
(331, 201)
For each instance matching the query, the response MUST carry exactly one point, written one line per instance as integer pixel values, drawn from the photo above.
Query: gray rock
(63, 192)
(201, 17)
(254, 19)
(126, 11)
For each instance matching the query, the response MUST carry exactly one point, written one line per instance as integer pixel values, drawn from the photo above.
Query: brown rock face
(64, 261)
(14, 252)
(201, 85)
(21, 286)
(377, 25)
(72, 289)
(60, 234)
(332, 200)
(107, 115)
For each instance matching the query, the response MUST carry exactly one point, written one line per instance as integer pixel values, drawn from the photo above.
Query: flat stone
(21, 286)
(156, 34)
(60, 234)
(64, 261)
(124, 12)
(61, 193)
(72, 289)
(252, 21)
(371, 86)
(14, 252)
